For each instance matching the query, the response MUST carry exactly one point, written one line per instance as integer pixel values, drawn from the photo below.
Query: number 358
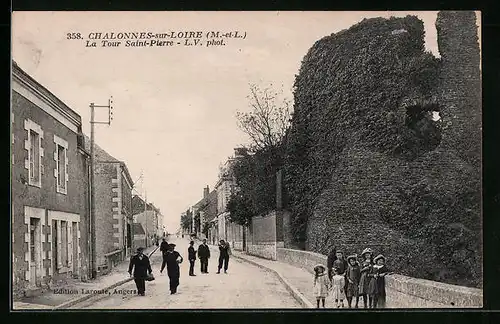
(73, 36)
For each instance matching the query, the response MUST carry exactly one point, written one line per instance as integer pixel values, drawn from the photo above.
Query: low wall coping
(439, 292)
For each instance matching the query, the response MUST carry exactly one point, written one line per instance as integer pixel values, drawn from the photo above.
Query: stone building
(113, 208)
(50, 188)
(206, 207)
(139, 236)
(223, 228)
(150, 217)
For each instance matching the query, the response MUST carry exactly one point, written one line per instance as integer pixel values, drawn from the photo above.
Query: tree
(240, 209)
(267, 122)
(197, 221)
(186, 221)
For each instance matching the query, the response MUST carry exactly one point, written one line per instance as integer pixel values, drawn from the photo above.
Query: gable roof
(101, 155)
(27, 82)
(138, 229)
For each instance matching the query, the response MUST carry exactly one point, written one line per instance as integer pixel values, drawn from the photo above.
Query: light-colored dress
(321, 285)
(338, 284)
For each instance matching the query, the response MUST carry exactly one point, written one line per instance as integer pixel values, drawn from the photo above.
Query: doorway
(76, 257)
(35, 251)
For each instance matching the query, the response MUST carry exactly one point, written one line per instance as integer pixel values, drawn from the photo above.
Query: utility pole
(146, 221)
(92, 182)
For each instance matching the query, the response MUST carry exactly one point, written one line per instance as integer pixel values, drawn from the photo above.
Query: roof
(56, 103)
(101, 155)
(138, 229)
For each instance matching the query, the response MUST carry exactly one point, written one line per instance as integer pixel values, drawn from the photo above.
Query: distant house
(113, 208)
(139, 236)
(206, 208)
(50, 188)
(150, 217)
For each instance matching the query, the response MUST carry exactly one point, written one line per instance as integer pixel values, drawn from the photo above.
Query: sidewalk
(298, 281)
(49, 299)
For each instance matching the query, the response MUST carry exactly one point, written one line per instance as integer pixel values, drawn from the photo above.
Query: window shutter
(59, 245)
(70, 243)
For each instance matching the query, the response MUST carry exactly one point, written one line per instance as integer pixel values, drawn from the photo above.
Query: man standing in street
(163, 250)
(141, 266)
(204, 255)
(191, 258)
(224, 252)
(173, 259)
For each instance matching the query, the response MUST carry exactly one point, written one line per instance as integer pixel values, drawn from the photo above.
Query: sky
(174, 108)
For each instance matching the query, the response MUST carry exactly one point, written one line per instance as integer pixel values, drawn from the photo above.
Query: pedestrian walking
(321, 284)
(224, 253)
(366, 273)
(141, 266)
(380, 270)
(332, 256)
(173, 259)
(338, 286)
(163, 250)
(353, 274)
(191, 258)
(204, 255)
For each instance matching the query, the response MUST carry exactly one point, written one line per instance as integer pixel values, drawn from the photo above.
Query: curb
(291, 289)
(85, 297)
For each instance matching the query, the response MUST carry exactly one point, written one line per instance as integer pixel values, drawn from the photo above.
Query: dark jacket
(141, 267)
(203, 251)
(172, 265)
(191, 253)
(331, 258)
(341, 265)
(224, 250)
(163, 247)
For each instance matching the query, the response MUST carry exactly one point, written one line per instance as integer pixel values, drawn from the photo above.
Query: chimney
(205, 192)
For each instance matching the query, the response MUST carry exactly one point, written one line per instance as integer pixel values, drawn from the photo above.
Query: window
(34, 157)
(61, 169)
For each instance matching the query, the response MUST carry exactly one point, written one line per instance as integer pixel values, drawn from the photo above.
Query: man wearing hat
(191, 258)
(172, 260)
(141, 265)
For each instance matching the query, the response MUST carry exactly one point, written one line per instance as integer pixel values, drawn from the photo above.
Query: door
(35, 251)
(76, 257)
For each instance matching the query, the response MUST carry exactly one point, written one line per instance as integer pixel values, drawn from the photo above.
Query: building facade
(222, 228)
(113, 209)
(150, 217)
(50, 188)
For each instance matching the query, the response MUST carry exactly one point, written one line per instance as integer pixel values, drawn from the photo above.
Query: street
(245, 286)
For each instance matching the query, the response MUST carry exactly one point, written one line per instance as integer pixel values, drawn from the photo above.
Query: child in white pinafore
(321, 284)
(338, 285)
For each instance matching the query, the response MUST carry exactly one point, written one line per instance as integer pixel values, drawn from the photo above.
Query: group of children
(351, 279)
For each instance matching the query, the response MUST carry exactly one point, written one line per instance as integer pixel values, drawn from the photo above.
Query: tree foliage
(186, 220)
(268, 119)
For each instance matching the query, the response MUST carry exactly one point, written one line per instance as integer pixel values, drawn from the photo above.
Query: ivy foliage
(363, 149)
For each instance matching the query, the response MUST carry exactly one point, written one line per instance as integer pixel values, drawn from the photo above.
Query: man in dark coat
(173, 259)
(163, 250)
(191, 258)
(141, 265)
(204, 255)
(224, 252)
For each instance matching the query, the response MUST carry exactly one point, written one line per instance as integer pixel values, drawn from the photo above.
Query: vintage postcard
(246, 160)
